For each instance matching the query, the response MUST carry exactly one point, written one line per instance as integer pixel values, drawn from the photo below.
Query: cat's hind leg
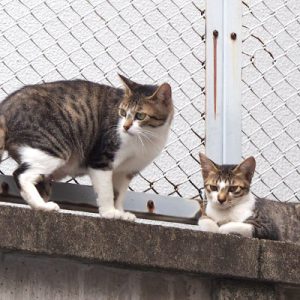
(44, 188)
(35, 164)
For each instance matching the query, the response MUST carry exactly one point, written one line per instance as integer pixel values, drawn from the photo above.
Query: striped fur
(75, 127)
(231, 208)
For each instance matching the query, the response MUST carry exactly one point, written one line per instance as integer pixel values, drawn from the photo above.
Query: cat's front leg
(237, 228)
(120, 183)
(102, 181)
(207, 224)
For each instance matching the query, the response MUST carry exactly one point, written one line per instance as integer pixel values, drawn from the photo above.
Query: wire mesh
(148, 41)
(271, 95)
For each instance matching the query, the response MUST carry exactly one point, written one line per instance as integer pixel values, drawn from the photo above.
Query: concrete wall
(28, 277)
(62, 256)
(32, 277)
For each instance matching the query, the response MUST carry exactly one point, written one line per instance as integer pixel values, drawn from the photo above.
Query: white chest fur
(237, 213)
(136, 153)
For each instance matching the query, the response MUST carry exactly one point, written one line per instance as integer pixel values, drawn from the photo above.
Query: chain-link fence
(271, 95)
(150, 41)
(157, 41)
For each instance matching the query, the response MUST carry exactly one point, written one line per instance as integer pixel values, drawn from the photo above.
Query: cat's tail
(2, 135)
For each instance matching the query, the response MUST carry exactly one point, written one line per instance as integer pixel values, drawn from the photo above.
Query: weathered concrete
(78, 197)
(288, 293)
(28, 277)
(287, 218)
(280, 262)
(25, 277)
(240, 290)
(69, 254)
(147, 245)
(128, 244)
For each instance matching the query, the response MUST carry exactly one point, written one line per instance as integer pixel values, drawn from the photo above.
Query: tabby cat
(79, 127)
(231, 208)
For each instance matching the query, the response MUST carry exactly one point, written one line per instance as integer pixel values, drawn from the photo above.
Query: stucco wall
(270, 96)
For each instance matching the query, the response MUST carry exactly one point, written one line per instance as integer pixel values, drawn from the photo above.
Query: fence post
(223, 80)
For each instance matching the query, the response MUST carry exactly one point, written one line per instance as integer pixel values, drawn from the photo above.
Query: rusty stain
(233, 36)
(150, 206)
(234, 55)
(215, 34)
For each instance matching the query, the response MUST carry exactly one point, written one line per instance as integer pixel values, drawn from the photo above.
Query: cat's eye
(140, 116)
(213, 188)
(233, 189)
(122, 112)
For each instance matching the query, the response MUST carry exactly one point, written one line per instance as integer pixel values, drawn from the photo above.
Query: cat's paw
(114, 213)
(111, 213)
(225, 229)
(49, 206)
(128, 216)
(207, 224)
(237, 228)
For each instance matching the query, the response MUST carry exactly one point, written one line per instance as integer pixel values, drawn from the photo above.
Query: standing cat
(78, 127)
(231, 208)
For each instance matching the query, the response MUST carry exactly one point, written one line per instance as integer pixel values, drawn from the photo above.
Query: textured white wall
(271, 96)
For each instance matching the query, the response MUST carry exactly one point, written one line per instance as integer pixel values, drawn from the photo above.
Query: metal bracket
(223, 80)
(82, 198)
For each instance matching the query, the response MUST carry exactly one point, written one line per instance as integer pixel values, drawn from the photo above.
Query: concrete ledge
(149, 245)
(280, 262)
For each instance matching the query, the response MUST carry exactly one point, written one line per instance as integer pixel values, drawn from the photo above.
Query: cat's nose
(221, 200)
(126, 127)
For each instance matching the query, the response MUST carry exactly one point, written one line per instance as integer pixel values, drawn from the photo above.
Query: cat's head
(145, 107)
(226, 185)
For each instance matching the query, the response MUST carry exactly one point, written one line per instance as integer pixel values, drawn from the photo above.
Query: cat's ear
(129, 85)
(207, 165)
(163, 93)
(247, 167)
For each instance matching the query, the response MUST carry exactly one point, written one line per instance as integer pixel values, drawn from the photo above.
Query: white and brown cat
(231, 208)
(79, 127)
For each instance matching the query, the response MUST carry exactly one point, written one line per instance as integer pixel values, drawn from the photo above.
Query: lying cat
(78, 127)
(231, 208)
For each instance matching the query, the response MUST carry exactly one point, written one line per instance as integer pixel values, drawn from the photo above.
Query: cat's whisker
(143, 145)
(150, 133)
(144, 135)
(144, 138)
(141, 141)
(150, 141)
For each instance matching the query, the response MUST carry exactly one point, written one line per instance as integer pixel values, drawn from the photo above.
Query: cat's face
(225, 185)
(144, 108)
